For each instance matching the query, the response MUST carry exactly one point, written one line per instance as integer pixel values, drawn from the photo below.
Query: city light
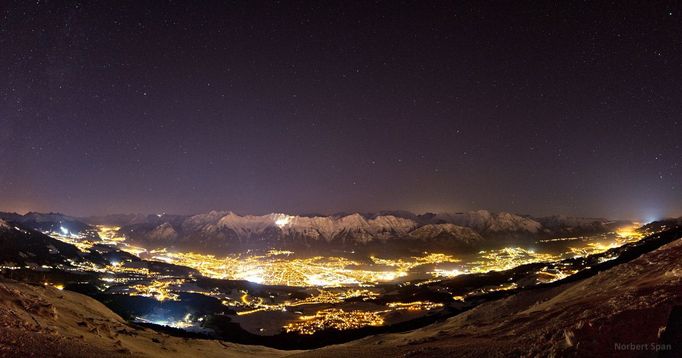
(336, 279)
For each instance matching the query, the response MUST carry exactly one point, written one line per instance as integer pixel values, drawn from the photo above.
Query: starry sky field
(320, 107)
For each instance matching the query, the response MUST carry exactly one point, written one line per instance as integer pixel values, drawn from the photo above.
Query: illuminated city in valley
(309, 294)
(279, 267)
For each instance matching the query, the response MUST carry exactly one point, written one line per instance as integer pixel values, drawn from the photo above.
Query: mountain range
(226, 231)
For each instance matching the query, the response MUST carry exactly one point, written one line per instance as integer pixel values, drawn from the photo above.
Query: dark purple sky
(183, 107)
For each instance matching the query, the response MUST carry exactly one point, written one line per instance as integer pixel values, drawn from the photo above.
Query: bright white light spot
(317, 280)
(446, 273)
(283, 221)
(64, 230)
(390, 276)
(254, 279)
(255, 276)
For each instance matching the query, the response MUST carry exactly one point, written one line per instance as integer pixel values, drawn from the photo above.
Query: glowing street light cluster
(333, 318)
(336, 319)
(274, 269)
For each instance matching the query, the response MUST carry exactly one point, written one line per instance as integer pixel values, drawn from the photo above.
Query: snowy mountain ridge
(231, 231)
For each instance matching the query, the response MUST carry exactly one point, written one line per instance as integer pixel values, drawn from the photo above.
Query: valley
(297, 299)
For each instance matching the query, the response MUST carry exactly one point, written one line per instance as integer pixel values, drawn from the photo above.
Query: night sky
(320, 107)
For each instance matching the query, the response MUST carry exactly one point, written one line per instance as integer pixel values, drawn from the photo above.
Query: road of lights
(414, 306)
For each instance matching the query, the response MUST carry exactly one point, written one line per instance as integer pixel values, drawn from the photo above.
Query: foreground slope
(637, 302)
(43, 321)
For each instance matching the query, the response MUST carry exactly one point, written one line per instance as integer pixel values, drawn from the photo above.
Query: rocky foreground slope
(38, 321)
